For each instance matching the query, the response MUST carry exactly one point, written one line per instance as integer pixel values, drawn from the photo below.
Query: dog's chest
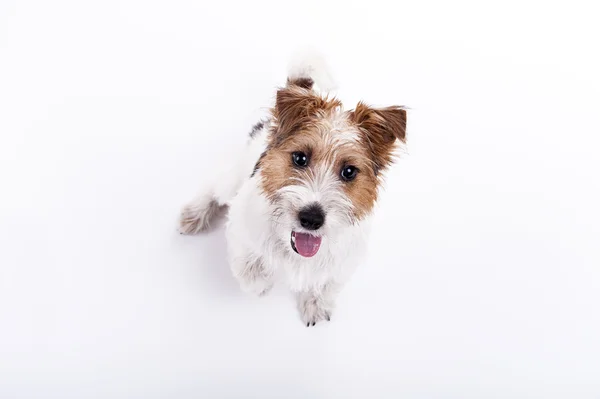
(333, 264)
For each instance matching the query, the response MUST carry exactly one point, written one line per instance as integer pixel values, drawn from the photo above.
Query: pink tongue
(307, 245)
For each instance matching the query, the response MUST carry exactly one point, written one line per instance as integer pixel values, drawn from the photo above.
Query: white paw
(313, 309)
(253, 277)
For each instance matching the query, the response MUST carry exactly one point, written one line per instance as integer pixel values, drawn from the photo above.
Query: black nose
(312, 217)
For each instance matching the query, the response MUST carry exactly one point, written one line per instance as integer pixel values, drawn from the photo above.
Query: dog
(301, 197)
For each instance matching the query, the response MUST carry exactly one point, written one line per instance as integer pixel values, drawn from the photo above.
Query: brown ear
(382, 127)
(295, 105)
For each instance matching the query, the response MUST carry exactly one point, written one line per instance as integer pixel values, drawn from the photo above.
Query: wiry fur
(265, 192)
(198, 215)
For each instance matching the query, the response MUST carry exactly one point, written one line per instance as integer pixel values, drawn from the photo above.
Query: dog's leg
(224, 185)
(198, 215)
(253, 273)
(318, 303)
(203, 210)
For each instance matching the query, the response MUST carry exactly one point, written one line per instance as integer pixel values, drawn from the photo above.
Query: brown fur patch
(297, 108)
(363, 190)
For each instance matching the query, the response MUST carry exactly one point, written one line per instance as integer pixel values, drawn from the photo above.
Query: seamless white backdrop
(483, 278)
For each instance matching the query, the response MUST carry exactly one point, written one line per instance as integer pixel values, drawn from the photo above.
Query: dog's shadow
(206, 261)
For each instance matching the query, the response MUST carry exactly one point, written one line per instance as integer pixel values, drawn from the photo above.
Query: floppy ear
(381, 127)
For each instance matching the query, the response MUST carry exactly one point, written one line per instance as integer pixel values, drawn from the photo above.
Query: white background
(483, 279)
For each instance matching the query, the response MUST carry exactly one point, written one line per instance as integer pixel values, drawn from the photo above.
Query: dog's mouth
(305, 244)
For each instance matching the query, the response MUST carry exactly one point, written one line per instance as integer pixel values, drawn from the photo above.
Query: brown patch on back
(257, 164)
(257, 128)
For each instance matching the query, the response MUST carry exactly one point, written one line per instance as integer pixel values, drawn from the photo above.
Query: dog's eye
(300, 159)
(349, 172)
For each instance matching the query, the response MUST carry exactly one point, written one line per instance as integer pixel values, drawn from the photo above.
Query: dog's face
(322, 168)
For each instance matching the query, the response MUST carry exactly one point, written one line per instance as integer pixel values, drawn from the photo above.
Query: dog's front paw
(253, 276)
(313, 309)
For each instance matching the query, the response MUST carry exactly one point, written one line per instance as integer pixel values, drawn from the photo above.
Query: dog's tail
(308, 68)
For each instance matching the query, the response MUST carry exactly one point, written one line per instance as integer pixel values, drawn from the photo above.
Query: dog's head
(323, 166)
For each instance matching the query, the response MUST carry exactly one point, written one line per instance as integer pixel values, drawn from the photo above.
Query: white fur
(309, 63)
(258, 231)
